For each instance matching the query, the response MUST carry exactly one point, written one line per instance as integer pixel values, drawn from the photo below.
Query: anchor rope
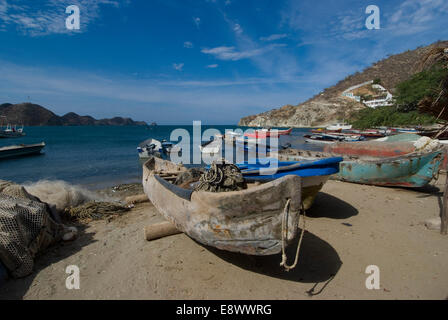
(285, 234)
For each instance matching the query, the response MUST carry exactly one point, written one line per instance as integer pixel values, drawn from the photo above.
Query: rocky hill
(329, 106)
(30, 114)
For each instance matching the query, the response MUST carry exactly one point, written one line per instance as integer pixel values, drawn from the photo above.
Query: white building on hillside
(386, 101)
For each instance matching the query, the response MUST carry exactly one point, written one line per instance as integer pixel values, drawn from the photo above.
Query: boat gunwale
(216, 195)
(367, 159)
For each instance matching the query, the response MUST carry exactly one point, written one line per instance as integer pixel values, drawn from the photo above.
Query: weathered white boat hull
(247, 221)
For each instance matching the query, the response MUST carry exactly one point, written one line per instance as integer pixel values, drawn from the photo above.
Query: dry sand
(349, 227)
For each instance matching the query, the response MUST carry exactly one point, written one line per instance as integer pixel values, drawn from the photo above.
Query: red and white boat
(264, 133)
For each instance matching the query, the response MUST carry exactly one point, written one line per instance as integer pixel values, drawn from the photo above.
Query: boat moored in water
(153, 147)
(21, 150)
(10, 131)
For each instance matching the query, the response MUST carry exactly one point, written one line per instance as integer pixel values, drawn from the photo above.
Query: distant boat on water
(265, 132)
(339, 126)
(21, 150)
(153, 147)
(10, 131)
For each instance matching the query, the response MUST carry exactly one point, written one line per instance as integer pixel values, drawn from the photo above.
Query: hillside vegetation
(329, 106)
(422, 86)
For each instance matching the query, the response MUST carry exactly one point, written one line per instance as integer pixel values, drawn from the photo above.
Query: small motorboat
(339, 126)
(212, 147)
(148, 148)
(21, 150)
(259, 220)
(264, 133)
(231, 136)
(153, 147)
(332, 138)
(321, 139)
(11, 132)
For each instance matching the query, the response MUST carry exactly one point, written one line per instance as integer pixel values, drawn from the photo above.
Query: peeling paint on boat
(247, 221)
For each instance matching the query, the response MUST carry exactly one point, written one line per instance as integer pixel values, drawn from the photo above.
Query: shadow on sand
(328, 206)
(17, 288)
(318, 262)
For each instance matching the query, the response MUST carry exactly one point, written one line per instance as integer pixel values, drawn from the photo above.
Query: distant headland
(30, 114)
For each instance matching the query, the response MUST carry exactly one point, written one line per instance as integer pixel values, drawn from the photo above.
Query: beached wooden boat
(314, 173)
(247, 221)
(331, 138)
(21, 150)
(378, 162)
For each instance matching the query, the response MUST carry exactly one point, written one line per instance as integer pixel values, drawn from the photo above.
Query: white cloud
(188, 44)
(178, 66)
(50, 18)
(223, 101)
(237, 28)
(3, 6)
(212, 66)
(274, 37)
(416, 16)
(197, 21)
(231, 53)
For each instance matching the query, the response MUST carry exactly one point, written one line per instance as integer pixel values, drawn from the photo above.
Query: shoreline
(349, 227)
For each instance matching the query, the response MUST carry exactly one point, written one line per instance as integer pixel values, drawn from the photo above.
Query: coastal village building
(382, 98)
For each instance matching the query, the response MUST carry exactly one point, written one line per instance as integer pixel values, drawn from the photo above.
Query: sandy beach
(349, 227)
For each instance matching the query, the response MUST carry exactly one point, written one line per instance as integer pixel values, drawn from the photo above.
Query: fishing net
(26, 228)
(94, 210)
(221, 177)
(186, 178)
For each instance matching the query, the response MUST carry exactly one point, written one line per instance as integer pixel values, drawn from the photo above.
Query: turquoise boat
(379, 163)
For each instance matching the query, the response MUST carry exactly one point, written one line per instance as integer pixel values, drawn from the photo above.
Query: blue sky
(212, 60)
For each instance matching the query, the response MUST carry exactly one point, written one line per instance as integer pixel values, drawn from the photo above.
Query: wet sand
(349, 227)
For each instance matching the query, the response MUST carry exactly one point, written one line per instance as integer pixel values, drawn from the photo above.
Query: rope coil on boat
(221, 177)
(285, 235)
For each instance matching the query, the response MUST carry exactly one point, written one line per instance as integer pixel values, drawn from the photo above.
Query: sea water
(95, 156)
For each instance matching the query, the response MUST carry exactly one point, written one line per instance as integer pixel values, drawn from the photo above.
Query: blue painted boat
(378, 163)
(259, 171)
(314, 173)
